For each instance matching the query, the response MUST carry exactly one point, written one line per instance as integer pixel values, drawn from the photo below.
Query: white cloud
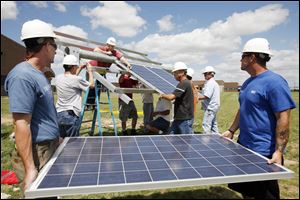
(39, 4)
(206, 45)
(70, 29)
(9, 10)
(59, 6)
(250, 22)
(118, 16)
(165, 23)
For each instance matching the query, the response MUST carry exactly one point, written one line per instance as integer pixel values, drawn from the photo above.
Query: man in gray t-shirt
(184, 101)
(69, 87)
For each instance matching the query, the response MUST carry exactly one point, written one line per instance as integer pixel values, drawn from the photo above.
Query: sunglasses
(245, 55)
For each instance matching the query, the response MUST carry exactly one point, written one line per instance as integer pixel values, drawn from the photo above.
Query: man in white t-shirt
(161, 115)
(210, 101)
(69, 87)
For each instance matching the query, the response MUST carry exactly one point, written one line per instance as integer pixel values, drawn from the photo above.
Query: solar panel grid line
(143, 160)
(250, 162)
(120, 147)
(172, 150)
(221, 156)
(162, 74)
(153, 71)
(204, 158)
(165, 160)
(76, 163)
(230, 160)
(99, 167)
(145, 81)
(155, 80)
(247, 159)
(187, 160)
(47, 167)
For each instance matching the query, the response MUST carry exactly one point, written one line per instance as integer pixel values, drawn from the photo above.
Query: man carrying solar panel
(263, 116)
(184, 101)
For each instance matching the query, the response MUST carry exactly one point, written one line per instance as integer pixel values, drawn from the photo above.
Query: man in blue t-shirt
(31, 103)
(263, 118)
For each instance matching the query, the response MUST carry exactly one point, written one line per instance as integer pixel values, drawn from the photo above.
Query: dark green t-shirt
(184, 102)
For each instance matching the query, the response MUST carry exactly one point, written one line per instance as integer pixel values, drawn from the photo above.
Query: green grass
(289, 187)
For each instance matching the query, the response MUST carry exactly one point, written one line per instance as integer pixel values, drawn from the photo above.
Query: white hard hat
(179, 66)
(257, 45)
(190, 72)
(36, 28)
(111, 41)
(70, 60)
(208, 69)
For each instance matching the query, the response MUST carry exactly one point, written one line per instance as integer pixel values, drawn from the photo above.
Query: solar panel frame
(160, 75)
(34, 191)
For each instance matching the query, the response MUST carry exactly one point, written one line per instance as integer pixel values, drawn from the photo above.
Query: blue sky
(197, 33)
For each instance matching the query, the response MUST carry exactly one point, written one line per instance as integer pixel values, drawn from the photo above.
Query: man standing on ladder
(69, 87)
(108, 49)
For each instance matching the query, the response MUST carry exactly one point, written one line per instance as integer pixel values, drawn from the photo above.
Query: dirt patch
(6, 119)
(290, 162)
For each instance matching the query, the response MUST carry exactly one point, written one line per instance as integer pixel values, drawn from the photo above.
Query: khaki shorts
(42, 152)
(127, 111)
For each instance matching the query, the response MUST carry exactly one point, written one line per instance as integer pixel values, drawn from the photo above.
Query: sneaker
(160, 132)
(133, 132)
(124, 132)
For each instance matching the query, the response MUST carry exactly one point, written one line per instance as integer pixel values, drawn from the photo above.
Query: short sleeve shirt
(184, 101)
(163, 105)
(69, 88)
(128, 83)
(212, 91)
(260, 97)
(30, 92)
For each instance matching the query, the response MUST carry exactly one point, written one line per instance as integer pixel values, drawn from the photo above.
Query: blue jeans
(209, 123)
(68, 124)
(148, 111)
(182, 126)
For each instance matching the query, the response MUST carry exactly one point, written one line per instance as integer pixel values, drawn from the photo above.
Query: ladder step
(86, 121)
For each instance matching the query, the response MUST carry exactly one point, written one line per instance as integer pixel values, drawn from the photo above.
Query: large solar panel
(87, 165)
(159, 79)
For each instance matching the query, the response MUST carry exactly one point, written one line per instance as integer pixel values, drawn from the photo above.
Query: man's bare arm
(23, 141)
(282, 135)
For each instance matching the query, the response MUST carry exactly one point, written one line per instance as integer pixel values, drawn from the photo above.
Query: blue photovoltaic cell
(101, 161)
(159, 78)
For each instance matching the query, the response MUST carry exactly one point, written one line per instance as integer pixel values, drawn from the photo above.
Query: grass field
(289, 187)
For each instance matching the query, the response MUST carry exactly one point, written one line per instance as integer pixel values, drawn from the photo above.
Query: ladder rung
(87, 121)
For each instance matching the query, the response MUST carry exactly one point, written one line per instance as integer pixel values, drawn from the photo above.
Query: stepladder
(92, 102)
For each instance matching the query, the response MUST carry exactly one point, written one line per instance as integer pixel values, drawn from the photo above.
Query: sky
(198, 33)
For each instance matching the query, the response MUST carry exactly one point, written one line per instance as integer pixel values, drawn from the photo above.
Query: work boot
(133, 132)
(124, 133)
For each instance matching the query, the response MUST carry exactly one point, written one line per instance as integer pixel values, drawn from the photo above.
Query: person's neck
(37, 63)
(257, 69)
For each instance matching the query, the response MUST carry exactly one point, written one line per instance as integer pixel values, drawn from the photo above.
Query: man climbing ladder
(69, 88)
